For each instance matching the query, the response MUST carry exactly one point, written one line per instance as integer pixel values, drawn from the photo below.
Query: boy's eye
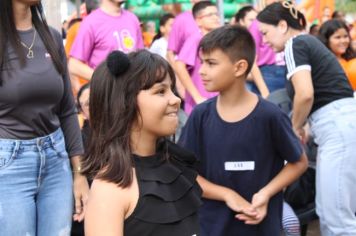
(210, 63)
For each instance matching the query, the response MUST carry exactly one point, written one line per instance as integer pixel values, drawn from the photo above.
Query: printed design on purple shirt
(125, 41)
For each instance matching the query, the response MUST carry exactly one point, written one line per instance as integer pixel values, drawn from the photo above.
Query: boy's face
(217, 71)
(208, 19)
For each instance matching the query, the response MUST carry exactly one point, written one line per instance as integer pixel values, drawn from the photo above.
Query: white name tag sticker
(239, 165)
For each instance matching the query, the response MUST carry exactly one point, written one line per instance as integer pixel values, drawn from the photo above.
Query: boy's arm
(186, 80)
(220, 193)
(289, 173)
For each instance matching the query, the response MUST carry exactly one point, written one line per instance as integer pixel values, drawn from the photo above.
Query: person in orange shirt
(148, 33)
(72, 31)
(73, 28)
(335, 35)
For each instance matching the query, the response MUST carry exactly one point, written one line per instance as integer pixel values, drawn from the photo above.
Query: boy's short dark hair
(235, 41)
(198, 7)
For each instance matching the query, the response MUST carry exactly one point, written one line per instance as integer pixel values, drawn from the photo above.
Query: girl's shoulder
(114, 198)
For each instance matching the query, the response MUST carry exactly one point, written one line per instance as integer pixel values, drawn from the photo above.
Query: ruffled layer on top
(169, 193)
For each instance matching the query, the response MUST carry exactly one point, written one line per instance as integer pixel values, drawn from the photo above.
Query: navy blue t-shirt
(244, 156)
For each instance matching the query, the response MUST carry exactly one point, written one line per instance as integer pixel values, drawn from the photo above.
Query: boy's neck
(236, 103)
(233, 95)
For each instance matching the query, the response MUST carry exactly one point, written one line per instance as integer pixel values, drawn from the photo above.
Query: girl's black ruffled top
(169, 194)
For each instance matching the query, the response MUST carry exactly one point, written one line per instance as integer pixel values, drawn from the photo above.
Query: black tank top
(169, 195)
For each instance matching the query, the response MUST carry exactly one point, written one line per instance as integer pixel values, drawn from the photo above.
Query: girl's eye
(161, 91)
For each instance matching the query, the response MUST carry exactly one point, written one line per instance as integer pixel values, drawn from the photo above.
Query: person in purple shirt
(266, 67)
(106, 29)
(188, 61)
(245, 17)
(183, 26)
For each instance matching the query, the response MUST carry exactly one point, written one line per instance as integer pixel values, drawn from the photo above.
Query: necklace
(30, 51)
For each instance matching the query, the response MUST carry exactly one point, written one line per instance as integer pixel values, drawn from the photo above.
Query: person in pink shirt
(266, 66)
(183, 26)
(106, 29)
(188, 63)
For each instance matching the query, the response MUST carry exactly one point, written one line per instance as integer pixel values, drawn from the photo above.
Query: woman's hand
(300, 133)
(81, 193)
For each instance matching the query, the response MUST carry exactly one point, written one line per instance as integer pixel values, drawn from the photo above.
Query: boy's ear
(240, 68)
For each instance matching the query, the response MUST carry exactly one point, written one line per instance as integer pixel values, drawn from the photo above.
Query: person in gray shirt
(39, 128)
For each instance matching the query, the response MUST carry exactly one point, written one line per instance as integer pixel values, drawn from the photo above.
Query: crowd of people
(173, 133)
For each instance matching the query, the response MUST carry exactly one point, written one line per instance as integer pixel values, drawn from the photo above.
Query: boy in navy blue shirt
(241, 140)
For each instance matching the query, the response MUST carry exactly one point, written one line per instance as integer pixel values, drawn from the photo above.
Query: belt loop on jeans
(53, 136)
(39, 143)
(16, 148)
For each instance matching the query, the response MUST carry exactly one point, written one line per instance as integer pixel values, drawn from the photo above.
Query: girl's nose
(174, 99)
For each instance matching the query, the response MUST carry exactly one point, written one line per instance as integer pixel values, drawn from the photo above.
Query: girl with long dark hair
(38, 127)
(160, 40)
(336, 36)
(322, 94)
(143, 183)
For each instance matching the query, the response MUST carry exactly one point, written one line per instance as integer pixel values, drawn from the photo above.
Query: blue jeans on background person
(36, 196)
(274, 77)
(334, 130)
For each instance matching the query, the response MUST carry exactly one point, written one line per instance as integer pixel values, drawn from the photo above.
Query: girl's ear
(240, 68)
(162, 29)
(282, 26)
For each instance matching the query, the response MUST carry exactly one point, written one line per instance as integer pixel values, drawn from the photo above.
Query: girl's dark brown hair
(328, 29)
(284, 10)
(113, 111)
(9, 35)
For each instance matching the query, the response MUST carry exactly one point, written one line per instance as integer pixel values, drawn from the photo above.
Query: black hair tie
(117, 63)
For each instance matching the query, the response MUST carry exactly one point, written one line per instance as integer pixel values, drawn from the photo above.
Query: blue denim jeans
(274, 77)
(36, 196)
(334, 130)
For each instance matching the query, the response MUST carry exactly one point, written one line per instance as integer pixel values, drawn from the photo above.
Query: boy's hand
(260, 203)
(238, 204)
